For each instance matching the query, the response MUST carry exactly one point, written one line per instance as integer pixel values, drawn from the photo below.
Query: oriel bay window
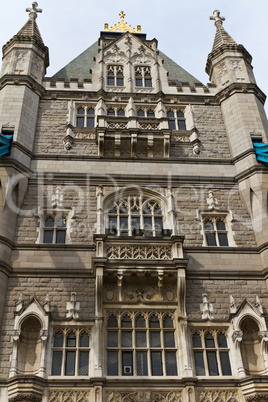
(141, 344)
(70, 352)
(135, 216)
(211, 353)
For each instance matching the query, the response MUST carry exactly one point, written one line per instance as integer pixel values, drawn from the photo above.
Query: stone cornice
(241, 88)
(13, 79)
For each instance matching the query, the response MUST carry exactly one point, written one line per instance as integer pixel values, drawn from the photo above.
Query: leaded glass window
(141, 344)
(211, 353)
(115, 76)
(215, 231)
(85, 117)
(143, 76)
(54, 229)
(70, 354)
(136, 216)
(176, 120)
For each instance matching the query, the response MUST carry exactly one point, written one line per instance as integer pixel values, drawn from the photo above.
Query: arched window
(140, 113)
(143, 76)
(150, 113)
(176, 120)
(120, 112)
(115, 76)
(142, 347)
(215, 230)
(135, 216)
(85, 117)
(55, 229)
(110, 112)
(70, 353)
(211, 353)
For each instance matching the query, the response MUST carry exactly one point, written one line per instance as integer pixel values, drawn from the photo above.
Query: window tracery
(54, 229)
(176, 120)
(143, 77)
(141, 344)
(115, 75)
(85, 117)
(215, 230)
(211, 353)
(70, 352)
(135, 215)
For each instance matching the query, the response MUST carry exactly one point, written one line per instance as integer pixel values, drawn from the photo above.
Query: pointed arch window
(115, 76)
(85, 117)
(54, 229)
(176, 120)
(211, 353)
(135, 216)
(141, 344)
(70, 353)
(143, 77)
(216, 233)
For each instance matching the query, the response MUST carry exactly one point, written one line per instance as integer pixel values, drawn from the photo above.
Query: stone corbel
(134, 138)
(196, 143)
(166, 145)
(237, 337)
(150, 146)
(100, 144)
(117, 145)
(69, 137)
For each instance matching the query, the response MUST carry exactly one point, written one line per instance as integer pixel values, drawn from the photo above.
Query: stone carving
(179, 138)
(211, 200)
(37, 67)
(260, 398)
(20, 62)
(219, 396)
(110, 292)
(121, 126)
(25, 398)
(72, 307)
(140, 293)
(143, 396)
(239, 73)
(222, 69)
(206, 308)
(139, 252)
(169, 294)
(69, 396)
(114, 89)
(149, 126)
(85, 136)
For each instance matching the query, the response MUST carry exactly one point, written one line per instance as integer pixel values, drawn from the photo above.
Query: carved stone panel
(219, 396)
(69, 396)
(136, 252)
(144, 396)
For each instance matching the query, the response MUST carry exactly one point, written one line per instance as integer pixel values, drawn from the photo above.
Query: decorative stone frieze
(135, 252)
(70, 396)
(219, 396)
(144, 396)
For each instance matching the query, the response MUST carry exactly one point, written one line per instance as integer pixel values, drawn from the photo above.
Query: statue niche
(29, 348)
(251, 348)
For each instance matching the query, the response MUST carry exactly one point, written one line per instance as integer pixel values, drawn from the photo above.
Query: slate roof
(80, 67)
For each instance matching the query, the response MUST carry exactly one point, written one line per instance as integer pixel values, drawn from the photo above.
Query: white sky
(182, 28)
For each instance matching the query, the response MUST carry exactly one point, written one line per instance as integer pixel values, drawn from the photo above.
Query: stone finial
(258, 305)
(19, 303)
(47, 304)
(232, 305)
(211, 201)
(57, 198)
(206, 308)
(237, 337)
(217, 18)
(72, 307)
(34, 10)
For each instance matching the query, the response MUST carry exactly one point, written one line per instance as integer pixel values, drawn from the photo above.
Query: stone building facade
(134, 225)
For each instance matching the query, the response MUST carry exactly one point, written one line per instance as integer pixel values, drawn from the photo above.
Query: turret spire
(222, 37)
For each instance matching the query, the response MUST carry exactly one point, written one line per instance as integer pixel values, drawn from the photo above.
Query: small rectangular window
(212, 363)
(70, 363)
(156, 361)
(142, 364)
(56, 363)
(112, 363)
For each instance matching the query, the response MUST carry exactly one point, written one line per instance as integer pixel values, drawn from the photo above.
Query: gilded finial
(217, 18)
(122, 26)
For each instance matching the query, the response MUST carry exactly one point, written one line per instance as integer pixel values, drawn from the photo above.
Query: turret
(229, 67)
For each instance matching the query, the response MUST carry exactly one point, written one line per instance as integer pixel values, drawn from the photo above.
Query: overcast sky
(182, 28)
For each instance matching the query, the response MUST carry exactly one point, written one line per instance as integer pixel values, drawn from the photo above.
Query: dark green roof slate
(176, 73)
(80, 67)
